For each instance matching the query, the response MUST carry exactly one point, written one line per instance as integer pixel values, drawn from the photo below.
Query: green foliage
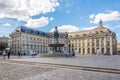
(118, 50)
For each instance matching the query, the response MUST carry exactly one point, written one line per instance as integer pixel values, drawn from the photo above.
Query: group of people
(5, 53)
(33, 53)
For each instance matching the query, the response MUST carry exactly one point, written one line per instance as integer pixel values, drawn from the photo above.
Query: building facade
(96, 41)
(99, 40)
(3, 43)
(26, 40)
(118, 48)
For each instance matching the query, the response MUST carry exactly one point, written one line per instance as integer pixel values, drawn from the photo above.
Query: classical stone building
(118, 48)
(26, 40)
(96, 41)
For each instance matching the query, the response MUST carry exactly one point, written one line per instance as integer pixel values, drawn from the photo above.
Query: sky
(67, 15)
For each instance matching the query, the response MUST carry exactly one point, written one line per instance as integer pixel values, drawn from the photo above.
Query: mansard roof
(30, 31)
(37, 32)
(92, 32)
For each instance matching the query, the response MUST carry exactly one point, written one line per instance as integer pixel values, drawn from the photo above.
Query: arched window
(102, 41)
(83, 51)
(93, 51)
(97, 42)
(102, 50)
(79, 50)
(108, 51)
(77, 36)
(93, 42)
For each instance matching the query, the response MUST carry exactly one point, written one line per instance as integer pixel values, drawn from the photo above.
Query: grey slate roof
(37, 32)
(30, 31)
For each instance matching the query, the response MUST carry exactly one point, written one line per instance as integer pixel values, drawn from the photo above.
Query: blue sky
(68, 15)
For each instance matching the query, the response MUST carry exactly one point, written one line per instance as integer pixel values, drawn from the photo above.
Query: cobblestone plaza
(34, 68)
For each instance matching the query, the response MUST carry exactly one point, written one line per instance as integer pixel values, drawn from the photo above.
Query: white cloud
(92, 27)
(51, 18)
(23, 9)
(34, 23)
(66, 28)
(71, 28)
(91, 16)
(109, 16)
(117, 35)
(6, 24)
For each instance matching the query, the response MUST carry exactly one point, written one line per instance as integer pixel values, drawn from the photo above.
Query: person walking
(73, 53)
(8, 55)
(19, 54)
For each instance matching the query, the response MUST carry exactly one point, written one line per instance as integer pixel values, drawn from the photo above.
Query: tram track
(66, 66)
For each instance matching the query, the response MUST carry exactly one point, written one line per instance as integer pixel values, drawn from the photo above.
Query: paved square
(16, 71)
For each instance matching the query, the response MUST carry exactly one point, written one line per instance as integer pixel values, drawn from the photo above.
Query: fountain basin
(56, 45)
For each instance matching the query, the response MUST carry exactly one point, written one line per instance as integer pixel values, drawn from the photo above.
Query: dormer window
(84, 34)
(70, 36)
(17, 31)
(77, 35)
(101, 31)
(96, 32)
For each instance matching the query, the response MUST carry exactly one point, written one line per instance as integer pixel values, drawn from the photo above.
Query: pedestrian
(8, 55)
(24, 53)
(34, 53)
(73, 53)
(19, 54)
(4, 54)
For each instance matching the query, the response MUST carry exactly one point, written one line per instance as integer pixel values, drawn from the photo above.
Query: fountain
(56, 44)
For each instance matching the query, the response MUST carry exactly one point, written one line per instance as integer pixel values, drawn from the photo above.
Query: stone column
(111, 45)
(105, 45)
(100, 45)
(90, 46)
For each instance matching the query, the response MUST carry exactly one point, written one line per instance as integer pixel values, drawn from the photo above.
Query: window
(102, 41)
(101, 31)
(108, 51)
(83, 51)
(83, 44)
(108, 43)
(88, 50)
(97, 42)
(96, 32)
(84, 34)
(79, 50)
(79, 45)
(75, 44)
(93, 51)
(88, 40)
(102, 50)
(108, 38)
(93, 42)
(77, 35)
(88, 43)
(17, 31)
